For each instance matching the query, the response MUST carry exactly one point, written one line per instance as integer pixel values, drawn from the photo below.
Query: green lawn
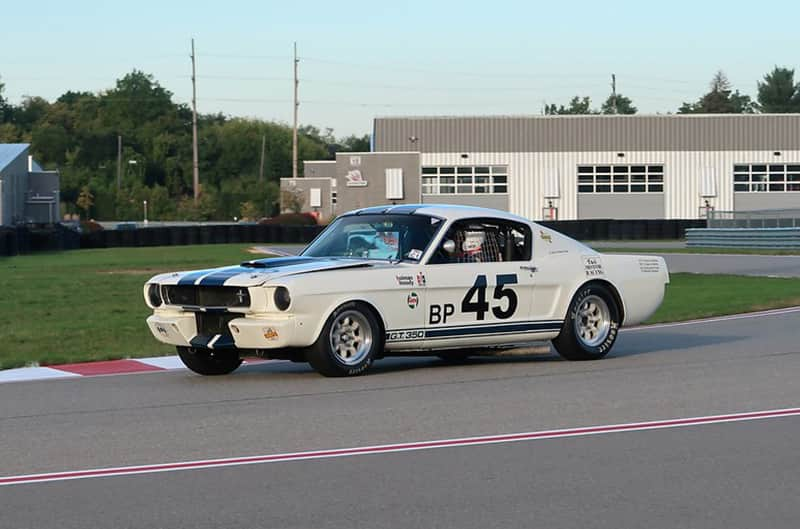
(691, 296)
(87, 304)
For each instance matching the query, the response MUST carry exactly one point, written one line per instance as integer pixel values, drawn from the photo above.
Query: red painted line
(109, 367)
(401, 447)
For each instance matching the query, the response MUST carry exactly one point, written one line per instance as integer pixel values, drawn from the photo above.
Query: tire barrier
(26, 239)
(773, 238)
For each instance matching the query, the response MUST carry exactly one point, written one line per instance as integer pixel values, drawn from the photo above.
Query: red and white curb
(93, 369)
(392, 448)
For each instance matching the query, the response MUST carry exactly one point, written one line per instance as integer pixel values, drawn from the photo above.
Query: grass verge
(692, 296)
(87, 304)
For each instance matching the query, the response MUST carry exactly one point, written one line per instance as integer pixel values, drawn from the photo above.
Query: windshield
(390, 237)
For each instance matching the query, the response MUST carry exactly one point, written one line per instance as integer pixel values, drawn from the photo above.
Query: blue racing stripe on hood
(191, 277)
(217, 279)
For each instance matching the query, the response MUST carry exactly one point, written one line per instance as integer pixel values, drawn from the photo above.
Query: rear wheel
(349, 341)
(591, 326)
(209, 361)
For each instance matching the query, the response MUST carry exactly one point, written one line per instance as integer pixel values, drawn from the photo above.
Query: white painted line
(716, 319)
(33, 373)
(393, 448)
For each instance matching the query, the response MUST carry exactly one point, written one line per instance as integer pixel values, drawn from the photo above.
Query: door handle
(529, 268)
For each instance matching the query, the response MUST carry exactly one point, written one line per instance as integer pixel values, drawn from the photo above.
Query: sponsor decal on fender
(270, 334)
(421, 279)
(593, 266)
(412, 300)
(405, 281)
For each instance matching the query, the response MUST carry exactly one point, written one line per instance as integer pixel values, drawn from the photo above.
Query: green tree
(778, 93)
(720, 99)
(249, 211)
(85, 200)
(5, 107)
(618, 105)
(577, 105)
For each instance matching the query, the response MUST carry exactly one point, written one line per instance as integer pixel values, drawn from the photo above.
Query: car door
(479, 284)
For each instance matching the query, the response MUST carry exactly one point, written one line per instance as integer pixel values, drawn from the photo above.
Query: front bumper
(247, 332)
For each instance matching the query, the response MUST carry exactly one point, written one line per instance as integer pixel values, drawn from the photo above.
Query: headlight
(154, 295)
(282, 298)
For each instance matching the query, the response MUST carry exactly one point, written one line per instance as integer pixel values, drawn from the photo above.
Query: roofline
(584, 116)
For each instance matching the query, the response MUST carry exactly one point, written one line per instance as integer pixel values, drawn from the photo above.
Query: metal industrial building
(568, 167)
(28, 194)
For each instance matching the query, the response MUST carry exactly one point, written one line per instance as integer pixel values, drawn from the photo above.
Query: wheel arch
(369, 305)
(611, 288)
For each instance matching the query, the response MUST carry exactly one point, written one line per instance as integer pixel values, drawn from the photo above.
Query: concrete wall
(372, 167)
(752, 201)
(304, 186)
(483, 201)
(14, 177)
(621, 206)
(319, 169)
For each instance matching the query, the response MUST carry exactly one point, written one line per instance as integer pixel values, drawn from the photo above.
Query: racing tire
(591, 326)
(210, 362)
(350, 339)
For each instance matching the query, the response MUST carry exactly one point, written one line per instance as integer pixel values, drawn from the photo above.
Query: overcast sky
(365, 59)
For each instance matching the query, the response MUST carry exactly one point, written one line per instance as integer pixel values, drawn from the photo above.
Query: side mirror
(449, 246)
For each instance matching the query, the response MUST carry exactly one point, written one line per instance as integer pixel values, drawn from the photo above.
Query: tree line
(777, 93)
(78, 134)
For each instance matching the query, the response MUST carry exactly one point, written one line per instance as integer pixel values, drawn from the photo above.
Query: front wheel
(209, 361)
(591, 326)
(349, 341)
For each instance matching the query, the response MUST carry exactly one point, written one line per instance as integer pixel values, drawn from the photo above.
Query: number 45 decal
(480, 306)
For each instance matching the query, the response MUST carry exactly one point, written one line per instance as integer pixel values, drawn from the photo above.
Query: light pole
(144, 202)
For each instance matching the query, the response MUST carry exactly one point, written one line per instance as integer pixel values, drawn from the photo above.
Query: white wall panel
(683, 175)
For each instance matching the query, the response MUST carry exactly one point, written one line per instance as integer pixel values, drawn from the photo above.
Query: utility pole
(119, 162)
(296, 104)
(263, 153)
(613, 93)
(195, 170)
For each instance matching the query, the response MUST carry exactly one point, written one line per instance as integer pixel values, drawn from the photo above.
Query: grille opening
(199, 296)
(213, 324)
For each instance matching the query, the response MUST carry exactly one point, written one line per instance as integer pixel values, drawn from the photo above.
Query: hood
(258, 272)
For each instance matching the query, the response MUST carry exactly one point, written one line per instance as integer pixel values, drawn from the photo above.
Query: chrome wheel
(351, 337)
(592, 321)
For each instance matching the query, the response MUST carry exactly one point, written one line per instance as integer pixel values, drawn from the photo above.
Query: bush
(90, 226)
(291, 219)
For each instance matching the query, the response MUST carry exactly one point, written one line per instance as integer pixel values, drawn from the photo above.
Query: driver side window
(484, 241)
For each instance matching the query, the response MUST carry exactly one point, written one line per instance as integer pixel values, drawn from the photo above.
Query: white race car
(410, 279)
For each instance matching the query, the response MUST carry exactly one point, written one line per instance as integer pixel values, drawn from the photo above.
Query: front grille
(198, 296)
(211, 324)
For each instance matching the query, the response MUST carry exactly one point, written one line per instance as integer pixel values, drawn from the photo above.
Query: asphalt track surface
(732, 474)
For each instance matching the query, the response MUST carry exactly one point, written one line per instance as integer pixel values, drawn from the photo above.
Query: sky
(359, 59)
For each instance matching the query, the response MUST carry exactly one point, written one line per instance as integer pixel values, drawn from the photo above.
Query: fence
(18, 240)
(767, 218)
